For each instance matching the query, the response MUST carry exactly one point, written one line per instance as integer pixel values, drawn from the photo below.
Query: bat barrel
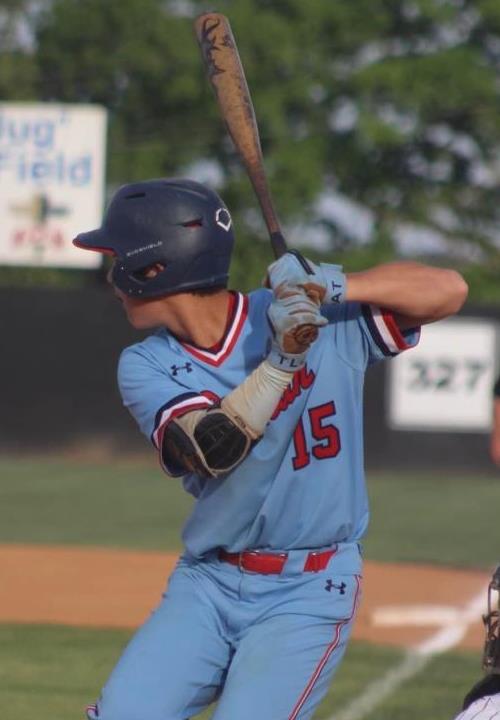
(226, 75)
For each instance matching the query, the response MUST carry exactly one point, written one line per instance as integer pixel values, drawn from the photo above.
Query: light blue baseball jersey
(302, 484)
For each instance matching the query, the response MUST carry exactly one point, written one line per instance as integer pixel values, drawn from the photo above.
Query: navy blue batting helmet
(178, 224)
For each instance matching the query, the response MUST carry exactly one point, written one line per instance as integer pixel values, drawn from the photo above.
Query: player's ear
(149, 272)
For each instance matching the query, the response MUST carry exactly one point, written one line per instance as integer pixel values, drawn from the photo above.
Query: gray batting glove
(323, 283)
(295, 321)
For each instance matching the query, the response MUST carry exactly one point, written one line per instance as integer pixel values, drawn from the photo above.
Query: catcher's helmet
(180, 224)
(491, 655)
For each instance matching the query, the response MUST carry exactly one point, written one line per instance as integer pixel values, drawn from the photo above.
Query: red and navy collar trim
(237, 314)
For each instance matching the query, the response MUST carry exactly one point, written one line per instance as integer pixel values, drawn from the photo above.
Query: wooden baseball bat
(226, 75)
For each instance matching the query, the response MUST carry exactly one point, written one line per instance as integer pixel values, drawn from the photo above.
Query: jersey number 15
(327, 434)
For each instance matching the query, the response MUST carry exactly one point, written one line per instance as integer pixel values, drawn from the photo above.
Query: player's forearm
(409, 289)
(415, 293)
(254, 401)
(495, 432)
(496, 415)
(496, 419)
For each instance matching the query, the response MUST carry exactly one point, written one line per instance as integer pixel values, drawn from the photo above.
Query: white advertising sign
(446, 382)
(52, 166)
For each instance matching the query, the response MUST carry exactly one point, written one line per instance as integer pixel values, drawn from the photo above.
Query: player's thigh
(174, 665)
(283, 667)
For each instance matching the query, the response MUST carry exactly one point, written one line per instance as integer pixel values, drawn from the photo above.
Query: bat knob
(300, 339)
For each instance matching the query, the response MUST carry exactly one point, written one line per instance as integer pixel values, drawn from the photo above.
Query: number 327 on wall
(446, 374)
(324, 437)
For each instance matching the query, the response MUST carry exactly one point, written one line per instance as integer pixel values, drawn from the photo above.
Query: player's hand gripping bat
(226, 75)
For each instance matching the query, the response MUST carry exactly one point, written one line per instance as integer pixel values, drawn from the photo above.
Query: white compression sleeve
(253, 402)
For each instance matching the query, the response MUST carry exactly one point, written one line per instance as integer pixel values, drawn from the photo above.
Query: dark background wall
(58, 376)
(58, 370)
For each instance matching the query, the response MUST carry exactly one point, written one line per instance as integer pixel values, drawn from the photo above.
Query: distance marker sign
(446, 382)
(52, 167)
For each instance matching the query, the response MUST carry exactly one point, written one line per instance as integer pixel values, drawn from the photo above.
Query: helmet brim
(94, 240)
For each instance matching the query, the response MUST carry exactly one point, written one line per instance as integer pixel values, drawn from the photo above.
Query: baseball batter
(256, 402)
(483, 700)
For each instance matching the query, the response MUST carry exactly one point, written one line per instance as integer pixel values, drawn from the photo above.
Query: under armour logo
(176, 368)
(330, 585)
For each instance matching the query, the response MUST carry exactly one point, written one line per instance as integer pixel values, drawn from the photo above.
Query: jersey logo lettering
(330, 585)
(302, 380)
(188, 367)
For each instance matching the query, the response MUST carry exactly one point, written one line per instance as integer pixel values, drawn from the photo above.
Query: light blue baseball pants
(265, 646)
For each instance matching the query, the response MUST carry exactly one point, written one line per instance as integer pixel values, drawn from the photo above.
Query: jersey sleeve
(365, 334)
(154, 398)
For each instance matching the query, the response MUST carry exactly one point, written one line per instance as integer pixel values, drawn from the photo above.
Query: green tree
(394, 104)
(18, 65)
(138, 61)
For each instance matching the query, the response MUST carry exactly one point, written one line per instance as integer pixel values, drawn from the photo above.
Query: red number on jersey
(326, 433)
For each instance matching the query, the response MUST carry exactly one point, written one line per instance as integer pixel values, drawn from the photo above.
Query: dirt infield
(402, 604)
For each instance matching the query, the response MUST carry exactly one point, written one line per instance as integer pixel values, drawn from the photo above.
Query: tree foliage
(393, 104)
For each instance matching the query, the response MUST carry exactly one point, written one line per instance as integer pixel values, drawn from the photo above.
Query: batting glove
(323, 283)
(295, 321)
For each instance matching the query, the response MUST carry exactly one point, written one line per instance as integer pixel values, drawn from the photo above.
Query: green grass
(435, 519)
(52, 672)
(436, 693)
(119, 504)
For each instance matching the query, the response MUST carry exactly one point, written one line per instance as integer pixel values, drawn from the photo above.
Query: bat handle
(278, 244)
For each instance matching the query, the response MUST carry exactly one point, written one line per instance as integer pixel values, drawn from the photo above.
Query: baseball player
(256, 402)
(483, 700)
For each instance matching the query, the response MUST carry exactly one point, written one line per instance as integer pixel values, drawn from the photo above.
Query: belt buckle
(240, 561)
